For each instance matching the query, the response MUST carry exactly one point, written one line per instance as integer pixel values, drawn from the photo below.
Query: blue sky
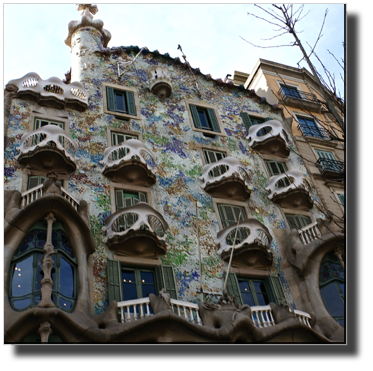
(210, 35)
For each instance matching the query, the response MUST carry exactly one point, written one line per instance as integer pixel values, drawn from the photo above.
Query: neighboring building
(125, 178)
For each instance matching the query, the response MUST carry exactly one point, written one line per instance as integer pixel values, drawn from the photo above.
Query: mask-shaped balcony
(226, 178)
(48, 148)
(136, 231)
(159, 81)
(269, 138)
(290, 189)
(251, 247)
(52, 92)
(129, 162)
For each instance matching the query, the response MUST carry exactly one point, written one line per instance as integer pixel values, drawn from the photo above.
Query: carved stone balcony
(226, 178)
(269, 138)
(159, 81)
(136, 231)
(290, 189)
(129, 162)
(251, 247)
(52, 92)
(48, 148)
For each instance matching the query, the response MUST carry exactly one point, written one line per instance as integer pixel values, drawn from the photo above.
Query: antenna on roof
(187, 63)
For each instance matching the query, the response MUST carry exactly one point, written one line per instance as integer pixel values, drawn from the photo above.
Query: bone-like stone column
(44, 331)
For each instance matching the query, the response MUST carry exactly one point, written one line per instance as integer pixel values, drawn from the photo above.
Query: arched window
(332, 287)
(26, 269)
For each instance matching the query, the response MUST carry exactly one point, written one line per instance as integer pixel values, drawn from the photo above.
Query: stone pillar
(44, 331)
(47, 265)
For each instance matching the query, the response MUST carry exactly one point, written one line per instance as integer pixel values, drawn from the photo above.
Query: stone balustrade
(309, 233)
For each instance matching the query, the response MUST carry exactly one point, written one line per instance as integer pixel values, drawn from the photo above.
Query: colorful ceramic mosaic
(166, 131)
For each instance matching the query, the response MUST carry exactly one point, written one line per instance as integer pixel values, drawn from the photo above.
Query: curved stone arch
(19, 221)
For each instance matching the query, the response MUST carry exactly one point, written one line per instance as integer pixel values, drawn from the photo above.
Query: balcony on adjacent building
(52, 92)
(226, 178)
(129, 162)
(290, 189)
(48, 148)
(269, 138)
(251, 241)
(290, 96)
(331, 169)
(137, 230)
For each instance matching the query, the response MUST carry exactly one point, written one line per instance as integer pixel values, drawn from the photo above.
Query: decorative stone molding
(48, 148)
(129, 162)
(44, 331)
(136, 230)
(226, 178)
(86, 20)
(295, 195)
(159, 81)
(252, 245)
(269, 138)
(52, 92)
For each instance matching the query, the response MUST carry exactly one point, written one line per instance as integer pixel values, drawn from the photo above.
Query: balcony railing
(228, 167)
(133, 310)
(309, 233)
(250, 232)
(139, 217)
(297, 94)
(37, 192)
(137, 309)
(326, 166)
(52, 92)
(314, 131)
(49, 136)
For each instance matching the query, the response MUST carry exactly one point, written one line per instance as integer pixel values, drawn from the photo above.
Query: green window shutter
(142, 197)
(233, 287)
(342, 199)
(119, 199)
(165, 279)
(325, 154)
(276, 288)
(34, 181)
(131, 103)
(213, 120)
(114, 280)
(195, 116)
(110, 98)
(246, 120)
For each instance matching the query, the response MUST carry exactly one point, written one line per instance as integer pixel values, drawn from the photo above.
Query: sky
(209, 34)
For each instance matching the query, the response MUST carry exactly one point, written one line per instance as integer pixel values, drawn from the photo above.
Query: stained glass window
(26, 269)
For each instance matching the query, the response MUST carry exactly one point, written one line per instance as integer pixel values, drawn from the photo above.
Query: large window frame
(213, 125)
(27, 258)
(129, 96)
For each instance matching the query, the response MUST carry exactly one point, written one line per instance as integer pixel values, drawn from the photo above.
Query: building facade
(147, 202)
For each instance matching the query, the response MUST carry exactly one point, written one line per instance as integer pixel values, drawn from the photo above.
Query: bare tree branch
(265, 47)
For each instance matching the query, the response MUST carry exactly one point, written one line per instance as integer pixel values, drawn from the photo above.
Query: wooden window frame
(123, 89)
(130, 188)
(204, 106)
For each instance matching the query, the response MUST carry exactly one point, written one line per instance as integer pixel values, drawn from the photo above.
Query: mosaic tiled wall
(167, 132)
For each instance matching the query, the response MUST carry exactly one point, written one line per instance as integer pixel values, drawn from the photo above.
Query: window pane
(129, 285)
(147, 277)
(20, 304)
(22, 277)
(203, 118)
(66, 279)
(262, 299)
(65, 304)
(248, 299)
(333, 300)
(120, 102)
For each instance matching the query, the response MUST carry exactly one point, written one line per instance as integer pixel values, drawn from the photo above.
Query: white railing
(303, 317)
(35, 193)
(139, 308)
(31, 195)
(309, 233)
(262, 316)
(70, 198)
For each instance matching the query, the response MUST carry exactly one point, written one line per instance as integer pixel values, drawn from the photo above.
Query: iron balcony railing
(297, 94)
(313, 131)
(328, 165)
